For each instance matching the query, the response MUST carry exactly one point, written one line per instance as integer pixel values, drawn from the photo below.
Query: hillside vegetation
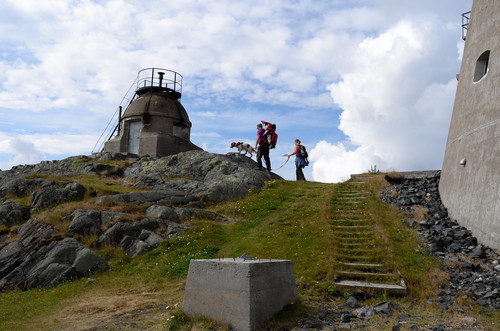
(284, 220)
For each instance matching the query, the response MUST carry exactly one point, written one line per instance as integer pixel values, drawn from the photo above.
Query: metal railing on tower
(465, 24)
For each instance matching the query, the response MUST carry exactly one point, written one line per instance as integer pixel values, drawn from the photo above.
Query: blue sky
(362, 83)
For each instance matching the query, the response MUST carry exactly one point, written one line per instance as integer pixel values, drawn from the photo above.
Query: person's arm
(295, 151)
(257, 140)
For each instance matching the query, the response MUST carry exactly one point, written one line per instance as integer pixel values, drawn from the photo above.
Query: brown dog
(244, 147)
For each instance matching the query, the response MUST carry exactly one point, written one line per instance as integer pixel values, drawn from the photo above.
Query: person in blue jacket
(301, 160)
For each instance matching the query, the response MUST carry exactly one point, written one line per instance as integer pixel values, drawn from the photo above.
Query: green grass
(285, 220)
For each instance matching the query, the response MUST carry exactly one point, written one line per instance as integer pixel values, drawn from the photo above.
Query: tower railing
(151, 77)
(465, 24)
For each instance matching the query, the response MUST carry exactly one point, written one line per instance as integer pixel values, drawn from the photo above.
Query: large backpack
(303, 152)
(274, 140)
(271, 136)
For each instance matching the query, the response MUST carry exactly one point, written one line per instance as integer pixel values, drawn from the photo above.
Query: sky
(363, 84)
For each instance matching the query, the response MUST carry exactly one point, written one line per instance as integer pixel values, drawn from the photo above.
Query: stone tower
(470, 178)
(154, 123)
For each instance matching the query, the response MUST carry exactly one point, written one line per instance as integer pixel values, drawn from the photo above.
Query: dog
(243, 147)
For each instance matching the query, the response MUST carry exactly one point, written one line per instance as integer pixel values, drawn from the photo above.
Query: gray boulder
(162, 212)
(18, 186)
(146, 241)
(114, 235)
(32, 232)
(52, 195)
(38, 259)
(11, 213)
(138, 237)
(85, 222)
(66, 260)
(175, 229)
(163, 197)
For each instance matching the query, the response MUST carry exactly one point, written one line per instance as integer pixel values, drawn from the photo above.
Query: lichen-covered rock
(115, 234)
(66, 260)
(11, 213)
(52, 195)
(167, 197)
(215, 176)
(85, 222)
(38, 259)
(163, 212)
(146, 241)
(140, 236)
(18, 186)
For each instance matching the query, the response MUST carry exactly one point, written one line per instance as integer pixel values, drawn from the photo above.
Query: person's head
(259, 126)
(297, 142)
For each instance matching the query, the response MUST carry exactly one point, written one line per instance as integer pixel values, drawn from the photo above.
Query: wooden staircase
(361, 255)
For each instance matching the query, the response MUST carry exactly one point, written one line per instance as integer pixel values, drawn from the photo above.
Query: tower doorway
(134, 132)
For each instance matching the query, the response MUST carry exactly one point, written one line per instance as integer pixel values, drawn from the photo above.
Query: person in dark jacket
(262, 146)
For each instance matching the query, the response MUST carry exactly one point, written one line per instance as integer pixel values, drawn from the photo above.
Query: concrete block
(240, 292)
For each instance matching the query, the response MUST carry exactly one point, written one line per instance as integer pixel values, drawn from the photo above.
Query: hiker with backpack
(262, 147)
(301, 160)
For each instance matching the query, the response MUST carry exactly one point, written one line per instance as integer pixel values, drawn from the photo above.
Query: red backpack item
(270, 134)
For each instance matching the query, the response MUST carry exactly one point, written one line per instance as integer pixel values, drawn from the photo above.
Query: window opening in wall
(180, 130)
(481, 66)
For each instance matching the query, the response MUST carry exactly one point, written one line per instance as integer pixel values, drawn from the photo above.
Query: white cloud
(396, 107)
(65, 65)
(29, 149)
(20, 151)
(336, 162)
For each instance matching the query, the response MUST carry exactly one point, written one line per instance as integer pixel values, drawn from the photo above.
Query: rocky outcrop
(164, 212)
(121, 230)
(141, 236)
(51, 195)
(85, 222)
(213, 176)
(40, 259)
(11, 213)
(167, 197)
(173, 188)
(17, 186)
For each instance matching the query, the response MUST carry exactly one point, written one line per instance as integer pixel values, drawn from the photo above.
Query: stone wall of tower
(471, 191)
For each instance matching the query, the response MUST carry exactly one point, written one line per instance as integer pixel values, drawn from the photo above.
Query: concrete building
(155, 123)
(470, 177)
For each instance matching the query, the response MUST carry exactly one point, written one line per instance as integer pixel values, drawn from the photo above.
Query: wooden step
(364, 274)
(353, 227)
(367, 265)
(357, 259)
(353, 235)
(350, 198)
(397, 289)
(351, 223)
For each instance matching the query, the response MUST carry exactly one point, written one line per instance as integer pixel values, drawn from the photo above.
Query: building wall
(471, 191)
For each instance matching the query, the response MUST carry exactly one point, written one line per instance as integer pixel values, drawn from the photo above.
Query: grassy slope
(286, 220)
